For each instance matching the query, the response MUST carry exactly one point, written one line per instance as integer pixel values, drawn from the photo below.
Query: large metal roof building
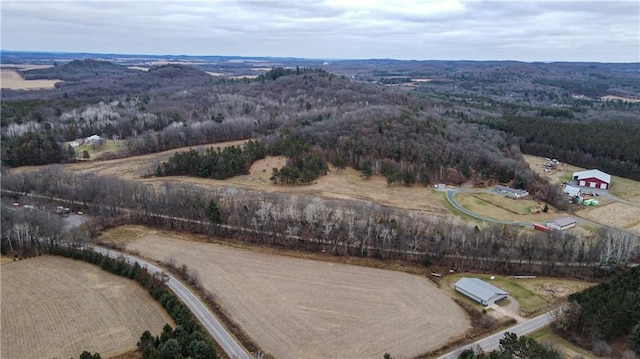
(480, 291)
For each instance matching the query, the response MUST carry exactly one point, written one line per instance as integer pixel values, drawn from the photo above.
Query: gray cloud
(410, 29)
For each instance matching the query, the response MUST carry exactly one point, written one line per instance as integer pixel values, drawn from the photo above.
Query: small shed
(480, 291)
(572, 191)
(562, 223)
(593, 179)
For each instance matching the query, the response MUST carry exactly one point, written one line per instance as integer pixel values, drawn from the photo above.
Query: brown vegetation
(13, 80)
(299, 308)
(70, 306)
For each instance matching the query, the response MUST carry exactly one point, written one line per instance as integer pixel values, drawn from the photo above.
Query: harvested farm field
(13, 80)
(301, 308)
(617, 215)
(54, 307)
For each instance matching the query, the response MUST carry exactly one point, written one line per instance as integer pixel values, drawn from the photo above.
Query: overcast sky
(607, 31)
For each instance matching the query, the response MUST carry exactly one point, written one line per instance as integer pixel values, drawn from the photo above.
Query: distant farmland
(12, 80)
(54, 307)
(300, 308)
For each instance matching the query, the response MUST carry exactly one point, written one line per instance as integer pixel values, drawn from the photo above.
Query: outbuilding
(511, 192)
(572, 191)
(480, 291)
(562, 223)
(593, 179)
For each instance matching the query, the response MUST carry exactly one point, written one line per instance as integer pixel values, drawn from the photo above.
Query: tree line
(611, 146)
(187, 340)
(604, 313)
(213, 163)
(514, 347)
(344, 228)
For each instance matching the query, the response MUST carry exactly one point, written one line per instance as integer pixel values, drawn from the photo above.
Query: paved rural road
(230, 346)
(451, 198)
(493, 341)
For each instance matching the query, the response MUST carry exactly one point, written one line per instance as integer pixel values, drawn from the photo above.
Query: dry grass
(23, 66)
(345, 184)
(98, 150)
(625, 188)
(622, 187)
(552, 289)
(130, 167)
(534, 295)
(123, 235)
(617, 215)
(618, 98)
(501, 207)
(546, 336)
(13, 80)
(297, 308)
(69, 306)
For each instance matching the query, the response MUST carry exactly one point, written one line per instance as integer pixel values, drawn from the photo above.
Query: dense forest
(218, 164)
(612, 146)
(435, 132)
(605, 313)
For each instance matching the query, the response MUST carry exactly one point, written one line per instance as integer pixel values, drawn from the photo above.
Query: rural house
(562, 223)
(511, 192)
(94, 139)
(480, 291)
(593, 179)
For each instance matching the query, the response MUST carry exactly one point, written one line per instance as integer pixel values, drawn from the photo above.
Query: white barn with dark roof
(480, 291)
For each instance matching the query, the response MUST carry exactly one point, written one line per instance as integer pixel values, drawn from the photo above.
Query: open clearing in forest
(621, 187)
(346, 184)
(618, 98)
(13, 80)
(300, 308)
(54, 307)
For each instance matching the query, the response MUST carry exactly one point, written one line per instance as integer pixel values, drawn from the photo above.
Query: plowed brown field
(54, 307)
(300, 308)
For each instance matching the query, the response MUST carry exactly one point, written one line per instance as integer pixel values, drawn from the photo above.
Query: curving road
(209, 321)
(493, 341)
(451, 198)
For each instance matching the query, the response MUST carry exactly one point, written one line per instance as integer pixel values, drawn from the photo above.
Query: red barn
(593, 179)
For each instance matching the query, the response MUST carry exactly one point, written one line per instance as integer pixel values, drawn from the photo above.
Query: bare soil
(300, 308)
(53, 307)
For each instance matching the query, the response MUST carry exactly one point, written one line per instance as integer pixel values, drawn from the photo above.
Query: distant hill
(175, 72)
(79, 70)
